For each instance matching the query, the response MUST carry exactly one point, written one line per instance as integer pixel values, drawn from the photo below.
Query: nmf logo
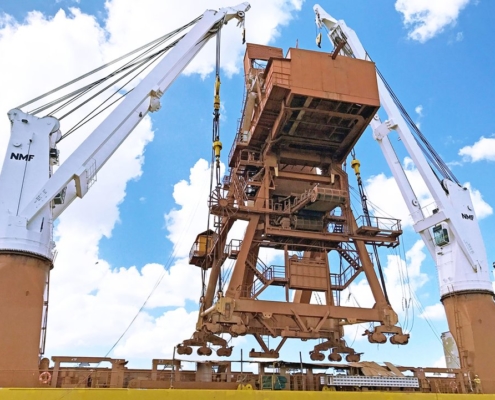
(20, 156)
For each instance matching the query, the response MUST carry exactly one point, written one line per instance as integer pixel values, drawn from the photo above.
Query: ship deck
(180, 394)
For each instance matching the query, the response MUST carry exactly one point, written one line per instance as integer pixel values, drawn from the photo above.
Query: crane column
(25, 246)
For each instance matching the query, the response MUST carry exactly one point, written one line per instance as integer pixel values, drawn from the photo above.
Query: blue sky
(439, 64)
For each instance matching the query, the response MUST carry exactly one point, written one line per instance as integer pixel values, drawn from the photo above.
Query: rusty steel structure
(288, 183)
(103, 372)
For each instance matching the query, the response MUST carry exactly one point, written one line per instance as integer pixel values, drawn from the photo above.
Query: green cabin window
(441, 235)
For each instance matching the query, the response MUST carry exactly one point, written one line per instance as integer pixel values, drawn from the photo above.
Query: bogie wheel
(333, 356)
(353, 358)
(224, 352)
(316, 356)
(184, 350)
(204, 351)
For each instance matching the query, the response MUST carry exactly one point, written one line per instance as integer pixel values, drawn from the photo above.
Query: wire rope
(168, 35)
(81, 92)
(135, 66)
(409, 293)
(216, 139)
(150, 59)
(76, 94)
(145, 65)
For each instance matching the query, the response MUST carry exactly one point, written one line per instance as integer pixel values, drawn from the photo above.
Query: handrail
(382, 223)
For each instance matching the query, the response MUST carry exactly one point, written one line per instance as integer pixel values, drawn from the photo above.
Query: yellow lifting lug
(217, 146)
(216, 100)
(355, 164)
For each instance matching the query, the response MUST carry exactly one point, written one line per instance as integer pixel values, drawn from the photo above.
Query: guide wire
(85, 120)
(207, 247)
(217, 146)
(402, 251)
(423, 143)
(166, 269)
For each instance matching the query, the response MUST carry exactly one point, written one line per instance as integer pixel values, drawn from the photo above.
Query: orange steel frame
(302, 116)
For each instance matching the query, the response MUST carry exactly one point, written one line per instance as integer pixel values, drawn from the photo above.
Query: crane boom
(451, 232)
(83, 164)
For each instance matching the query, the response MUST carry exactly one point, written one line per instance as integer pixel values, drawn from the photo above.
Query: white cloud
(452, 164)
(434, 312)
(483, 149)
(427, 18)
(157, 337)
(459, 37)
(26, 74)
(440, 363)
(91, 303)
(419, 110)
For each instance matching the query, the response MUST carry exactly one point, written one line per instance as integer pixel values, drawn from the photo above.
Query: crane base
(23, 279)
(471, 315)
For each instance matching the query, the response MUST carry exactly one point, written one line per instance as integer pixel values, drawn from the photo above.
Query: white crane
(451, 233)
(34, 195)
(26, 212)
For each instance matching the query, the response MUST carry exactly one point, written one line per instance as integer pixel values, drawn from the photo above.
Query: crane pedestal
(22, 287)
(471, 315)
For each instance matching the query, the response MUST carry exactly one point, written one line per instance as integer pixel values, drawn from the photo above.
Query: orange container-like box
(344, 79)
(308, 101)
